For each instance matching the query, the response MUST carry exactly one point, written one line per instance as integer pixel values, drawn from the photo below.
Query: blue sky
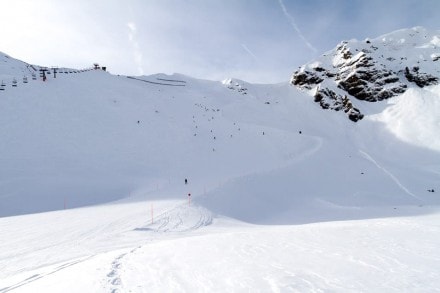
(256, 40)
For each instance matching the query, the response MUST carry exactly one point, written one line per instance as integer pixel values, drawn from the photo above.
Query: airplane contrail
(249, 52)
(295, 27)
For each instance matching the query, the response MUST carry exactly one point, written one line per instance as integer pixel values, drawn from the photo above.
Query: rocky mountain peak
(372, 70)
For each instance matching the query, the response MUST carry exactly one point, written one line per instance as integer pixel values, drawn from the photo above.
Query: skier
(186, 181)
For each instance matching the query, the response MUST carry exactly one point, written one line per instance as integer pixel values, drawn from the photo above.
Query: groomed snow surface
(285, 197)
(113, 249)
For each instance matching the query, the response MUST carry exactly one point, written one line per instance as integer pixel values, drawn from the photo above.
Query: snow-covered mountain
(372, 70)
(280, 195)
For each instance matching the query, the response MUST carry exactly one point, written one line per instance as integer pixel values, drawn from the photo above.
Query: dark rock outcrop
(372, 71)
(419, 78)
(328, 99)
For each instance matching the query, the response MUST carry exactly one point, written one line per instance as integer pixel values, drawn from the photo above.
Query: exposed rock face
(372, 70)
(235, 85)
(306, 79)
(328, 99)
(419, 78)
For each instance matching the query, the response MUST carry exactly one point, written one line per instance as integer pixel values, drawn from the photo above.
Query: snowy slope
(413, 118)
(10, 68)
(113, 151)
(75, 140)
(114, 248)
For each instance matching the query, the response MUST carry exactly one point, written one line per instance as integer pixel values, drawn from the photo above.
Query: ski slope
(92, 137)
(285, 197)
(114, 248)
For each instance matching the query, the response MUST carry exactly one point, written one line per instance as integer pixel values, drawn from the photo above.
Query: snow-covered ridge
(14, 72)
(236, 85)
(372, 70)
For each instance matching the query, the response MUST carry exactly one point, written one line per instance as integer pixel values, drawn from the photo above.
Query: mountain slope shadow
(333, 185)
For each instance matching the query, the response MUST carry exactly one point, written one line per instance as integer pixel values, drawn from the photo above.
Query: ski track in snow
(181, 218)
(342, 257)
(36, 277)
(394, 178)
(177, 219)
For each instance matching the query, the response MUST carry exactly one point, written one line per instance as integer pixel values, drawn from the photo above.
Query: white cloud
(137, 53)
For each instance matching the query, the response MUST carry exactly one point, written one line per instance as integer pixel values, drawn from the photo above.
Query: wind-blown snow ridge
(413, 117)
